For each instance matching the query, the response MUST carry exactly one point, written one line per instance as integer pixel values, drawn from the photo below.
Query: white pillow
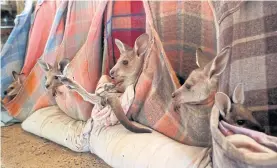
(121, 148)
(117, 146)
(53, 124)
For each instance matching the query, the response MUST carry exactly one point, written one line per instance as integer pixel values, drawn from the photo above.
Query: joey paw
(108, 86)
(176, 108)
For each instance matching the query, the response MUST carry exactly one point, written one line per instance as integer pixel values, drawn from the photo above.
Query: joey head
(15, 86)
(129, 65)
(235, 112)
(201, 85)
(193, 101)
(52, 81)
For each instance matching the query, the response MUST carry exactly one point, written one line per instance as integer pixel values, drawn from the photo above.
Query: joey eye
(240, 122)
(56, 77)
(12, 88)
(188, 86)
(125, 62)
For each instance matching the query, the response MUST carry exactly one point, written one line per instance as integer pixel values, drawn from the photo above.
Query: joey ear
(45, 66)
(15, 75)
(121, 46)
(238, 95)
(63, 64)
(219, 63)
(223, 103)
(21, 78)
(201, 59)
(141, 44)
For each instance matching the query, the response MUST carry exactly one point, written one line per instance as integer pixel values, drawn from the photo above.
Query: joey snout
(112, 73)
(173, 95)
(175, 100)
(47, 86)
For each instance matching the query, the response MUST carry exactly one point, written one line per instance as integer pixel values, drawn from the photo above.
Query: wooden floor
(20, 149)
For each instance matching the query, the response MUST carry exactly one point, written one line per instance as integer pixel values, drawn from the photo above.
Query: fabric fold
(13, 54)
(262, 138)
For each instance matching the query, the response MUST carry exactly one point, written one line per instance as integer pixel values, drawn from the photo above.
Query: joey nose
(5, 92)
(112, 73)
(173, 95)
(47, 86)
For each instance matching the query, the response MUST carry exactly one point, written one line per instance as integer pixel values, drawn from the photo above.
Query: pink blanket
(261, 138)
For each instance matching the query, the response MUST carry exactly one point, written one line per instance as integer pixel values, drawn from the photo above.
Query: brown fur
(195, 98)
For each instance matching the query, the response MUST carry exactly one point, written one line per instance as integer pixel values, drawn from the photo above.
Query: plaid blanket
(184, 26)
(192, 26)
(13, 51)
(152, 105)
(250, 28)
(81, 33)
(124, 20)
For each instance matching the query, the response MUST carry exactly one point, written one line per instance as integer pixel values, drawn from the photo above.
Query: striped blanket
(80, 34)
(13, 54)
(13, 51)
(39, 32)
